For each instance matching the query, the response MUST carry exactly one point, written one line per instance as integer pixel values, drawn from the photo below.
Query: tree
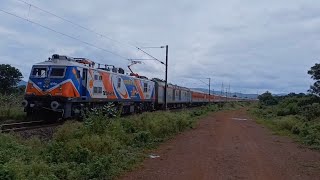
(9, 78)
(315, 75)
(267, 99)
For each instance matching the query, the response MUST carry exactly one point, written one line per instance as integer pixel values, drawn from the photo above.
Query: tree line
(9, 79)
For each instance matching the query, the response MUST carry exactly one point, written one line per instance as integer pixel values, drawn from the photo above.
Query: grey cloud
(253, 45)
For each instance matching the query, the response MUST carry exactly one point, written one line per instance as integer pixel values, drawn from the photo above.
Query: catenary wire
(88, 29)
(63, 34)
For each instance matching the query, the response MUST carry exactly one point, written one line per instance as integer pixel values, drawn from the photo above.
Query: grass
(10, 107)
(13, 113)
(293, 126)
(98, 148)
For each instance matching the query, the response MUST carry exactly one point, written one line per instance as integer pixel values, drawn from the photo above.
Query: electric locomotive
(64, 86)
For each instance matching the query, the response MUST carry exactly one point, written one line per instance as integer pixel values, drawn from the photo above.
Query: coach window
(57, 72)
(119, 82)
(145, 87)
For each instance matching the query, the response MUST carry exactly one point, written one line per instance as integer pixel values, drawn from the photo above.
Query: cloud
(254, 46)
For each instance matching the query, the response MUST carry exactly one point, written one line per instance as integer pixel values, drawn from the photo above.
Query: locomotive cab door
(84, 83)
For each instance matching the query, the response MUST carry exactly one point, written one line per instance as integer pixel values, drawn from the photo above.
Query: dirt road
(229, 145)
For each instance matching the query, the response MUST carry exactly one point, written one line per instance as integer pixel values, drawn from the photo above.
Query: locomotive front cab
(54, 81)
(51, 86)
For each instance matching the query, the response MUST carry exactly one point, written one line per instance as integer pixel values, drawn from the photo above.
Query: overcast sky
(252, 45)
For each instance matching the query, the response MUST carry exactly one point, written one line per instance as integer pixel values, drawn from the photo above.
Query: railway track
(27, 125)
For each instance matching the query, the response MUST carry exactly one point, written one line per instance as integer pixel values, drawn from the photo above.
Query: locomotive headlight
(24, 103)
(60, 87)
(54, 105)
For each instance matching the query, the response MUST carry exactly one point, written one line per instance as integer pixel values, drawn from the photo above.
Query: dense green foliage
(9, 78)
(10, 107)
(10, 95)
(297, 115)
(315, 75)
(267, 99)
(98, 148)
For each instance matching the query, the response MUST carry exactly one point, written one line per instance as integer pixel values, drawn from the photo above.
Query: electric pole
(209, 87)
(166, 80)
(165, 105)
(222, 88)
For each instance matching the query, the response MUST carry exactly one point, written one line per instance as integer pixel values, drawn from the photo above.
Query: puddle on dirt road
(239, 119)
(153, 156)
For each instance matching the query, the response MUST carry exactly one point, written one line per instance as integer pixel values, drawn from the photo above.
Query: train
(66, 86)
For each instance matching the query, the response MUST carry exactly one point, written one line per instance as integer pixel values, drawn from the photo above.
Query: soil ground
(230, 145)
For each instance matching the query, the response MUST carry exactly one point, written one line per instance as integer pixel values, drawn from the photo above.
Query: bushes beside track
(98, 148)
(295, 115)
(10, 107)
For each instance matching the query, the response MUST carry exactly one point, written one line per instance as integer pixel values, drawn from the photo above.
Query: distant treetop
(9, 78)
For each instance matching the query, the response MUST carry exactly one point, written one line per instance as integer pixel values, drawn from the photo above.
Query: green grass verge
(98, 148)
(293, 126)
(10, 107)
(14, 113)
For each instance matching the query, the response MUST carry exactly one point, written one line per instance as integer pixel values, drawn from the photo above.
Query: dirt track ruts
(222, 147)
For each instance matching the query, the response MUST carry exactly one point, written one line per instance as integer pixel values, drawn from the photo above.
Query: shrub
(10, 107)
(267, 99)
(287, 123)
(294, 114)
(310, 132)
(311, 111)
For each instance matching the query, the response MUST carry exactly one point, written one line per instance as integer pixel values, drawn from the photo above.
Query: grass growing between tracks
(98, 148)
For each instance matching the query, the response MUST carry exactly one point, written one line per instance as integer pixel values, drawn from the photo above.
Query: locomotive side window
(57, 72)
(39, 72)
(145, 87)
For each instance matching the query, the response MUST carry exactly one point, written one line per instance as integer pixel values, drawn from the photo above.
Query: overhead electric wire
(151, 56)
(88, 29)
(73, 23)
(203, 82)
(74, 38)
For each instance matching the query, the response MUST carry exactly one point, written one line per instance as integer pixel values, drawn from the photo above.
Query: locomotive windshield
(39, 72)
(57, 72)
